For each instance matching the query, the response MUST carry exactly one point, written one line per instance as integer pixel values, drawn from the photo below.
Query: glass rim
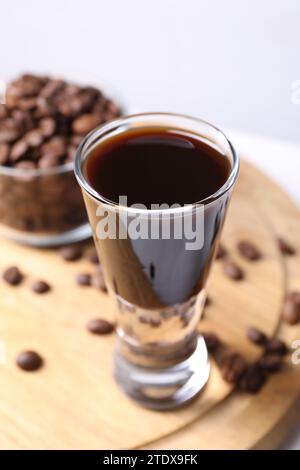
(106, 128)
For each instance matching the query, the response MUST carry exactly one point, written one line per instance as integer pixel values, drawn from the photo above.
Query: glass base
(166, 388)
(26, 238)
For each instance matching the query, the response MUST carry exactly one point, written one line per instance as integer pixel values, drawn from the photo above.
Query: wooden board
(73, 402)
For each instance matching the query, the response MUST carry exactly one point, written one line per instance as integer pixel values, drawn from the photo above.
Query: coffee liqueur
(156, 188)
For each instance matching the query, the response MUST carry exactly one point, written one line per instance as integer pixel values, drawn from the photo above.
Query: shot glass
(158, 283)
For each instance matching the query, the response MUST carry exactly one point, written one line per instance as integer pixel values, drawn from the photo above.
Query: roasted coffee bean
(233, 366)
(85, 123)
(248, 250)
(212, 341)
(154, 323)
(34, 138)
(84, 279)
(9, 132)
(25, 165)
(221, 252)
(29, 361)
(271, 362)
(99, 282)
(4, 153)
(291, 308)
(71, 253)
(285, 247)
(48, 161)
(276, 346)
(93, 257)
(47, 126)
(233, 271)
(98, 326)
(253, 379)
(256, 336)
(40, 287)
(13, 276)
(18, 150)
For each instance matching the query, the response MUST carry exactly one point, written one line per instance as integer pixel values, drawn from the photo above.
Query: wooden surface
(73, 401)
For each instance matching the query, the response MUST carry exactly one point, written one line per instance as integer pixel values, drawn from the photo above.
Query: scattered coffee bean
(291, 308)
(285, 247)
(233, 366)
(271, 362)
(99, 282)
(98, 326)
(29, 361)
(276, 346)
(233, 271)
(256, 336)
(13, 276)
(221, 251)
(212, 341)
(155, 323)
(253, 379)
(71, 253)
(84, 279)
(93, 257)
(248, 250)
(40, 287)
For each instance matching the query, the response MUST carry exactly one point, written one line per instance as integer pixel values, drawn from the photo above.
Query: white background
(232, 62)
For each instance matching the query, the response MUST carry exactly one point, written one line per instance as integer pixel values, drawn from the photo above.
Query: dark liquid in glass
(156, 166)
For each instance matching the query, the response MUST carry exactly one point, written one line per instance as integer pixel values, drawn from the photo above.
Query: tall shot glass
(158, 282)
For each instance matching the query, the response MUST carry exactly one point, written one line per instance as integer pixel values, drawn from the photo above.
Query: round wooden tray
(73, 402)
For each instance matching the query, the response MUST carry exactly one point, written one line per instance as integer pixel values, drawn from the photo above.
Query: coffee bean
(291, 308)
(13, 276)
(84, 279)
(25, 165)
(18, 150)
(221, 251)
(212, 341)
(98, 281)
(285, 247)
(253, 379)
(4, 153)
(233, 271)
(48, 161)
(233, 366)
(9, 131)
(271, 362)
(93, 257)
(276, 346)
(29, 361)
(71, 253)
(34, 138)
(154, 323)
(256, 336)
(248, 250)
(98, 326)
(47, 126)
(85, 123)
(40, 287)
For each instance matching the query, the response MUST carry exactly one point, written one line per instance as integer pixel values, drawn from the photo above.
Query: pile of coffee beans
(234, 367)
(41, 125)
